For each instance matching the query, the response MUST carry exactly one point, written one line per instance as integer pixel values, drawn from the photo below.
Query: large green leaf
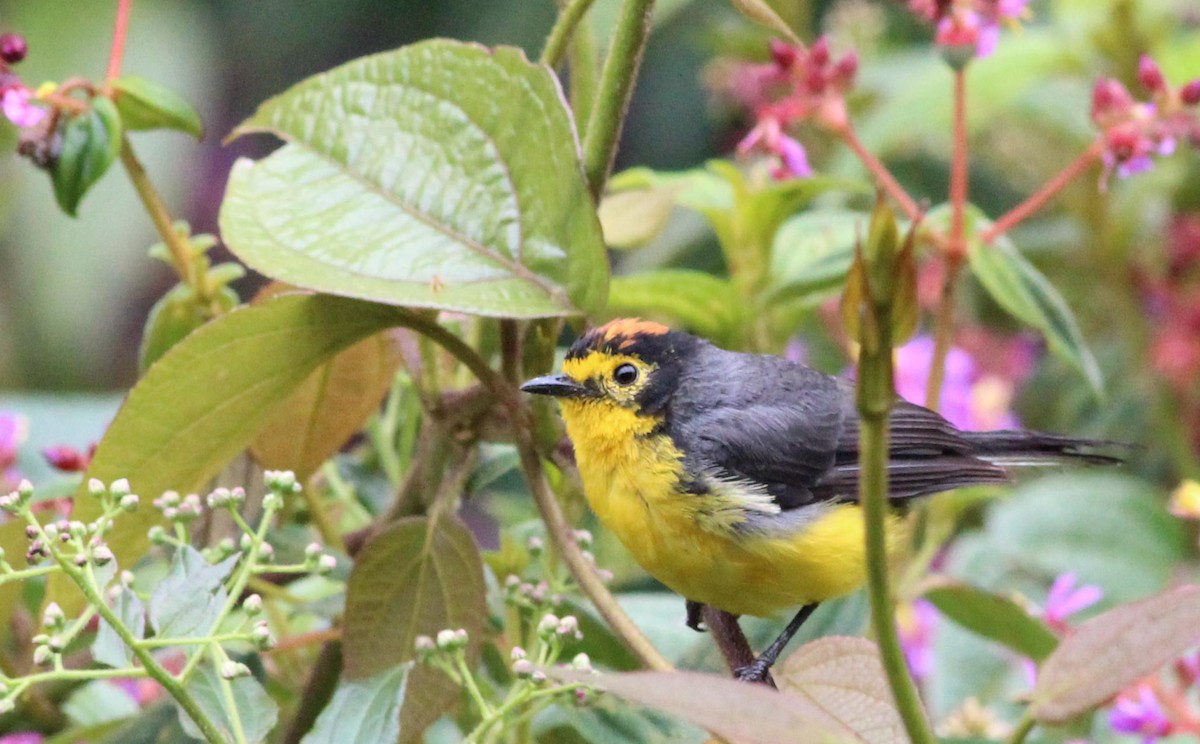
(702, 303)
(1029, 296)
(148, 105)
(206, 399)
(415, 578)
(253, 712)
(441, 175)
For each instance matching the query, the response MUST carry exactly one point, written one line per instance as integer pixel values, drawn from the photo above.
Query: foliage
(435, 226)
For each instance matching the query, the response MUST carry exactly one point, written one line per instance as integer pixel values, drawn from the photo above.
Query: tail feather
(1036, 449)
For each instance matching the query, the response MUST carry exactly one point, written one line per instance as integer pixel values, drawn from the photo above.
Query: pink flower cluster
(973, 25)
(1135, 131)
(16, 100)
(798, 83)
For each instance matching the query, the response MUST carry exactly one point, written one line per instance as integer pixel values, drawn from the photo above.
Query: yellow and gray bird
(733, 478)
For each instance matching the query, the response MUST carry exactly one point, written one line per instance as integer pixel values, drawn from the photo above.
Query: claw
(695, 616)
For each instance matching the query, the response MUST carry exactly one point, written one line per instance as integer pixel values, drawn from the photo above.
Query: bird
(732, 477)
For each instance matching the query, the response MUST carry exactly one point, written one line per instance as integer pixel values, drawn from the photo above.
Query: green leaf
(763, 715)
(207, 398)
(441, 175)
(189, 600)
(844, 677)
(147, 105)
(1029, 296)
(173, 317)
(634, 218)
(108, 648)
(90, 142)
(759, 12)
(253, 708)
(701, 303)
(363, 711)
(415, 578)
(99, 702)
(812, 252)
(994, 616)
(1113, 650)
(610, 720)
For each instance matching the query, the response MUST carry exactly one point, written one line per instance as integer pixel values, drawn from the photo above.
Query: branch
(880, 171)
(117, 53)
(1038, 200)
(616, 85)
(181, 252)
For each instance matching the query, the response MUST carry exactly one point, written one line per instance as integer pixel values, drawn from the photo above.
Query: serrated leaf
(364, 711)
(108, 648)
(189, 600)
(148, 105)
(994, 616)
(415, 578)
(205, 400)
(812, 252)
(90, 142)
(702, 303)
(1113, 650)
(328, 408)
(764, 15)
(253, 707)
(441, 175)
(99, 702)
(1029, 296)
(763, 715)
(844, 677)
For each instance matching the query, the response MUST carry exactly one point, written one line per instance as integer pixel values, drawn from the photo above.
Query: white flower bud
(42, 655)
(313, 549)
(535, 546)
(523, 668)
(548, 625)
(53, 617)
(517, 654)
(582, 662)
(95, 488)
(119, 487)
(231, 669)
(129, 502)
(253, 605)
(102, 555)
(326, 564)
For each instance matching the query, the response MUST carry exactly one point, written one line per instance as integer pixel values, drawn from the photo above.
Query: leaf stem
(562, 31)
(1024, 726)
(876, 394)
(235, 717)
(117, 54)
(616, 85)
(1038, 200)
(181, 253)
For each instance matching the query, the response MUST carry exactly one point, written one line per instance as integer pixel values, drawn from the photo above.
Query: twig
(117, 54)
(563, 30)
(181, 254)
(1073, 170)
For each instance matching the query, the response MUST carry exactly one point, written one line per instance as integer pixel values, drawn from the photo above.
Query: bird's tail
(1034, 449)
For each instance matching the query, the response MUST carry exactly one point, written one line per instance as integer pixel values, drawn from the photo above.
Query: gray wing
(795, 431)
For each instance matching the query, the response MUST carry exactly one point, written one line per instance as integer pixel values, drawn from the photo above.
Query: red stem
(117, 55)
(879, 171)
(1056, 184)
(954, 248)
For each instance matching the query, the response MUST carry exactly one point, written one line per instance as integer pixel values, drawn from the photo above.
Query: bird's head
(626, 364)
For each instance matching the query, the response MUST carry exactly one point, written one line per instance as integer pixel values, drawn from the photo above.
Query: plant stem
(235, 717)
(876, 393)
(181, 253)
(173, 686)
(564, 28)
(616, 85)
(880, 171)
(955, 248)
(1017, 214)
(117, 53)
(1024, 726)
(583, 73)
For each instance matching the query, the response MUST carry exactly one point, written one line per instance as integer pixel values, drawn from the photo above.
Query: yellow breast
(690, 542)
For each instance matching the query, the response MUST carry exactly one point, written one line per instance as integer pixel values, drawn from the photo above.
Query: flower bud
(326, 564)
(523, 668)
(157, 534)
(42, 655)
(24, 491)
(583, 539)
(313, 549)
(102, 555)
(13, 48)
(8, 502)
(782, 54)
(252, 605)
(1190, 93)
(548, 625)
(246, 542)
(818, 53)
(95, 488)
(261, 635)
(1150, 75)
(424, 646)
(535, 546)
(569, 626)
(517, 654)
(446, 640)
(582, 662)
(30, 531)
(56, 644)
(538, 677)
(53, 617)
(119, 488)
(231, 669)
(583, 696)
(129, 502)
(237, 495)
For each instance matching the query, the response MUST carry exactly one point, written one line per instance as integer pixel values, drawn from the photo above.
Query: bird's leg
(695, 615)
(759, 669)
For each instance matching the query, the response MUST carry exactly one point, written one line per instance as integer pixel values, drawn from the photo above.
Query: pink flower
(1140, 712)
(973, 25)
(970, 399)
(788, 158)
(14, 429)
(23, 737)
(1065, 599)
(16, 106)
(915, 624)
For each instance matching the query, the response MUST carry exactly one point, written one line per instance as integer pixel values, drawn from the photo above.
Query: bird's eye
(626, 374)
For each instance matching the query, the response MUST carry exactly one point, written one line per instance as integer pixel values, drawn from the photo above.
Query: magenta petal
(19, 111)
(794, 157)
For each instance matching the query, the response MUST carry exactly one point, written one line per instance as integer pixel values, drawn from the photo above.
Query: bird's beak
(557, 386)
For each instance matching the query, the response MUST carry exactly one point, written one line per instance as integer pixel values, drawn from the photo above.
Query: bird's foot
(695, 616)
(757, 671)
